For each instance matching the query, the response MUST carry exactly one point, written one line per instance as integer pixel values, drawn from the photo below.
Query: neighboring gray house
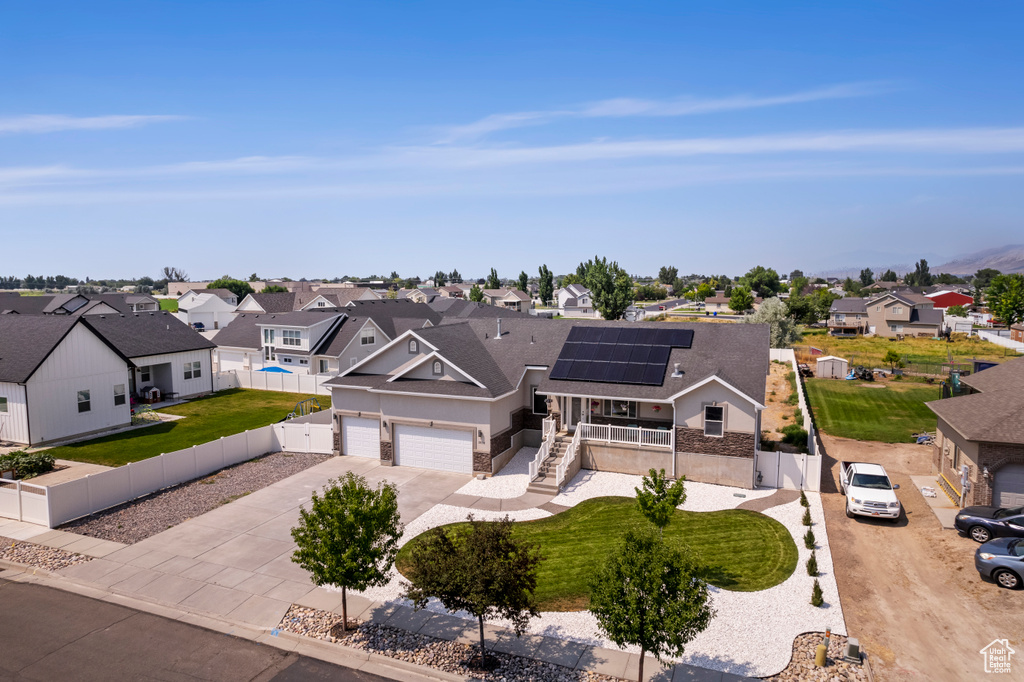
(575, 300)
(466, 396)
(890, 314)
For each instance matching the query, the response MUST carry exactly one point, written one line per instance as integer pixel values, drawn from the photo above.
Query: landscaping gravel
(450, 657)
(802, 667)
(142, 518)
(588, 484)
(752, 632)
(38, 556)
(508, 483)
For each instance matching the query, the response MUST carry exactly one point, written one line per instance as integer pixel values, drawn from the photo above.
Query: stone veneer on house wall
(994, 456)
(732, 444)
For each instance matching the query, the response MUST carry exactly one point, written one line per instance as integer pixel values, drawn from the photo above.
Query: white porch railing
(570, 456)
(629, 435)
(548, 435)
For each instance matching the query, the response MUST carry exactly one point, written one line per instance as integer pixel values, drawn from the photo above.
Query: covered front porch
(629, 422)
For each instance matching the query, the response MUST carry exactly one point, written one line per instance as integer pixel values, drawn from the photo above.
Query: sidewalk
(945, 511)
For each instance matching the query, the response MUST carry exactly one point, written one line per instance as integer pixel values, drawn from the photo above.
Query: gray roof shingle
(27, 340)
(139, 334)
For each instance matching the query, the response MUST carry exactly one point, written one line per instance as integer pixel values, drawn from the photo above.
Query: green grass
(206, 419)
(746, 550)
(168, 304)
(888, 412)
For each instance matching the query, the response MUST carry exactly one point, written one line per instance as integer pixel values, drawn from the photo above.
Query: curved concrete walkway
(777, 498)
(527, 501)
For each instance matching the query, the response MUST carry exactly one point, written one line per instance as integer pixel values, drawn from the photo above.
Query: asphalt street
(47, 634)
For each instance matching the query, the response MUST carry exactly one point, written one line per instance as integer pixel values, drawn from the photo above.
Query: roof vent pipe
(499, 329)
(677, 372)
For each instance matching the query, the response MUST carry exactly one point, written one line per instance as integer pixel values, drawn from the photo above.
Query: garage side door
(360, 437)
(1008, 490)
(439, 449)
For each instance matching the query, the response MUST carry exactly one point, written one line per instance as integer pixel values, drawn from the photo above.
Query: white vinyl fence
(1001, 339)
(794, 471)
(54, 505)
(311, 384)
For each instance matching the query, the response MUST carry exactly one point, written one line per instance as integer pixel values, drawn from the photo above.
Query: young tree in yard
(668, 275)
(546, 285)
(493, 281)
(774, 313)
(349, 537)
(476, 294)
(484, 571)
(439, 279)
(524, 281)
(866, 277)
(741, 299)
(610, 285)
(892, 358)
(703, 291)
(956, 311)
(659, 497)
(1005, 298)
(765, 281)
(651, 595)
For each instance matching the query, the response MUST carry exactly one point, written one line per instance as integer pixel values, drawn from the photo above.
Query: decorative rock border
(444, 655)
(38, 556)
(801, 668)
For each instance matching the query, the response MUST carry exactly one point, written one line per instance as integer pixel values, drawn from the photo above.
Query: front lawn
(169, 304)
(747, 551)
(888, 412)
(206, 419)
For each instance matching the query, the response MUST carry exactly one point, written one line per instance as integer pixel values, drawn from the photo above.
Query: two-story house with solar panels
(466, 395)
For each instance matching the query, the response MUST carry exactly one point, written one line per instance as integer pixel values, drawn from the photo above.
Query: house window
(324, 366)
(438, 368)
(145, 374)
(840, 317)
(956, 457)
(193, 370)
(714, 420)
(367, 337)
(321, 304)
(897, 310)
(303, 361)
(119, 394)
(353, 361)
(898, 328)
(84, 404)
(288, 360)
(620, 408)
(3, 404)
(291, 337)
(878, 308)
(413, 346)
(268, 353)
(268, 337)
(540, 402)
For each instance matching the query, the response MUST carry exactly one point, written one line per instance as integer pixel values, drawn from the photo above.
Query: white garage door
(360, 437)
(417, 446)
(1008, 490)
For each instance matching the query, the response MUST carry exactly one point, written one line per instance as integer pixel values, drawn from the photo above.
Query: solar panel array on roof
(618, 355)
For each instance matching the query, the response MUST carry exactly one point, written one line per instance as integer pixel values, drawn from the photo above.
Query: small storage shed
(831, 367)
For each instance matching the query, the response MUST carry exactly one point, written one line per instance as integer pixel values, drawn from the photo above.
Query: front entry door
(573, 414)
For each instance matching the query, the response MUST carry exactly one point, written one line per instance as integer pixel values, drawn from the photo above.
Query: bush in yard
(27, 465)
(484, 571)
(803, 500)
(807, 517)
(658, 499)
(812, 565)
(794, 434)
(809, 539)
(349, 537)
(816, 596)
(651, 595)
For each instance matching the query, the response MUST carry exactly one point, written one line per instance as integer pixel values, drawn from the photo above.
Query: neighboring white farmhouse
(206, 308)
(58, 379)
(575, 300)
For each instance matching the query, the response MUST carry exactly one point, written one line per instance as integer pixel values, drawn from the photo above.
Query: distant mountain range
(1005, 259)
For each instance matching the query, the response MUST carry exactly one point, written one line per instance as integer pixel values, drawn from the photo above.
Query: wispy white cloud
(51, 123)
(683, 106)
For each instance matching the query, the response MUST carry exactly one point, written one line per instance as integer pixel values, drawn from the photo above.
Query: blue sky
(321, 139)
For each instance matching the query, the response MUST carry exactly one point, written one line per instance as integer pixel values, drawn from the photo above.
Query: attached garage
(441, 449)
(360, 437)
(1008, 488)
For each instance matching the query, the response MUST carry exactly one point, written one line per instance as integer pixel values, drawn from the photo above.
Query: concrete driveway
(235, 562)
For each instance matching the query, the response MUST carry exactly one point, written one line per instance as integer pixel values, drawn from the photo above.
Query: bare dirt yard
(779, 411)
(910, 592)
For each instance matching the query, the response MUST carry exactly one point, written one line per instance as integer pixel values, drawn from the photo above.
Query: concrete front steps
(545, 481)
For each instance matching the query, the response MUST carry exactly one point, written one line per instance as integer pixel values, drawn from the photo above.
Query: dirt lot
(910, 591)
(779, 413)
